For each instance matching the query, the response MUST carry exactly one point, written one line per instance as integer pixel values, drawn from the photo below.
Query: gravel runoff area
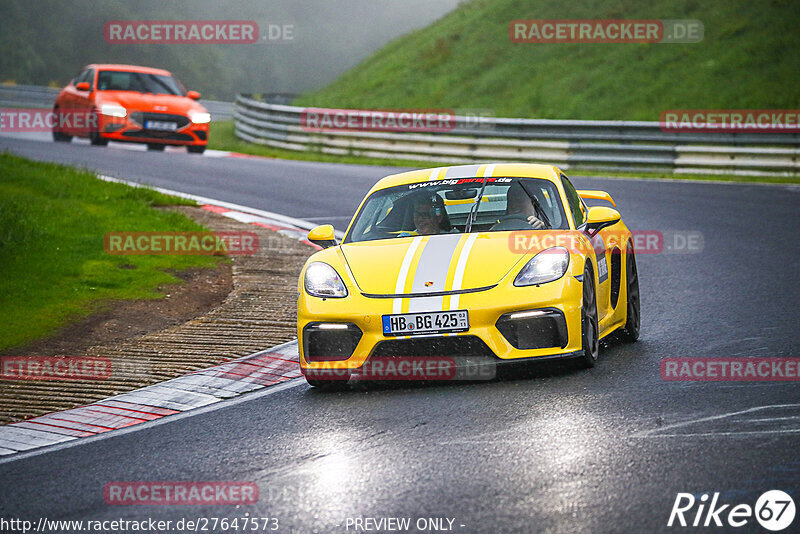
(258, 313)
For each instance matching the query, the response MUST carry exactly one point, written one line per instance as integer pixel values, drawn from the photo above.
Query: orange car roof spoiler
(596, 195)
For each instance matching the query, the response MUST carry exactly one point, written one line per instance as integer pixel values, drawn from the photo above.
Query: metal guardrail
(591, 145)
(35, 96)
(220, 111)
(27, 96)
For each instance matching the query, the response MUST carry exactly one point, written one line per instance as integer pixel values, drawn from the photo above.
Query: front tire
(58, 135)
(327, 385)
(630, 332)
(94, 137)
(196, 149)
(590, 330)
(320, 380)
(336, 384)
(157, 147)
(61, 137)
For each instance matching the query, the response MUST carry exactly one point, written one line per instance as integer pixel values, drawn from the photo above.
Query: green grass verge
(54, 268)
(747, 59)
(222, 137)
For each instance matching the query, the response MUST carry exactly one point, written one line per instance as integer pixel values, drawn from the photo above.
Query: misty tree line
(46, 42)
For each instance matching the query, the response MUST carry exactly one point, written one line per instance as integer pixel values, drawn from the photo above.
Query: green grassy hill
(750, 58)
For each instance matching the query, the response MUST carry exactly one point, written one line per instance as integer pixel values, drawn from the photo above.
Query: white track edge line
(300, 223)
(245, 397)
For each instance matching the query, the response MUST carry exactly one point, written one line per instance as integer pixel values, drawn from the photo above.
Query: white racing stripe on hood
(433, 266)
(461, 266)
(397, 304)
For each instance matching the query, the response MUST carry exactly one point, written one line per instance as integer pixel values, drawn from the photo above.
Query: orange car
(131, 104)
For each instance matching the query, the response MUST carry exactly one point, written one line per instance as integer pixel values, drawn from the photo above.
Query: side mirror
(600, 217)
(194, 95)
(83, 86)
(322, 236)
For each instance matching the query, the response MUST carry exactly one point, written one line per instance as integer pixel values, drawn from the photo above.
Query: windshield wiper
(474, 209)
(540, 213)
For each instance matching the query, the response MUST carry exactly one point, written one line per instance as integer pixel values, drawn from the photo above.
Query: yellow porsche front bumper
(359, 318)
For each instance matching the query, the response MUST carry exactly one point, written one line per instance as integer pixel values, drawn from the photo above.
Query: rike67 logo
(774, 511)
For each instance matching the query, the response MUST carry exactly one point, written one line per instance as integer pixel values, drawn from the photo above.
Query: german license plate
(412, 324)
(161, 125)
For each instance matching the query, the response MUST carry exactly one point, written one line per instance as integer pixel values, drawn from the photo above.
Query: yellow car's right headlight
(547, 266)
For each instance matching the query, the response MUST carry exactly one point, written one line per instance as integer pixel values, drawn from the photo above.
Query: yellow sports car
(495, 262)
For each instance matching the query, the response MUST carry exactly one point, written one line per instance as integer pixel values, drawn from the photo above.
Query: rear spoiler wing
(596, 195)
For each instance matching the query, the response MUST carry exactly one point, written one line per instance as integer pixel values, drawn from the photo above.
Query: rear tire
(590, 331)
(630, 332)
(156, 147)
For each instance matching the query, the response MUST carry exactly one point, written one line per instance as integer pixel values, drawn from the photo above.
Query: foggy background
(47, 41)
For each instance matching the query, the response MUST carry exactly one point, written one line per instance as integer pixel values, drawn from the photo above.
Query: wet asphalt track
(558, 450)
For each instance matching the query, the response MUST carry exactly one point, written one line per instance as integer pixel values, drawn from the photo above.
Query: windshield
(140, 82)
(447, 206)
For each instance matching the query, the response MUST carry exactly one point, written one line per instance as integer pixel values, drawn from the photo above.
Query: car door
(66, 101)
(84, 101)
(579, 213)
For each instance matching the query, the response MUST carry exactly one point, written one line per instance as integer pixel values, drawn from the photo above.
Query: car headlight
(200, 117)
(322, 280)
(547, 266)
(112, 109)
